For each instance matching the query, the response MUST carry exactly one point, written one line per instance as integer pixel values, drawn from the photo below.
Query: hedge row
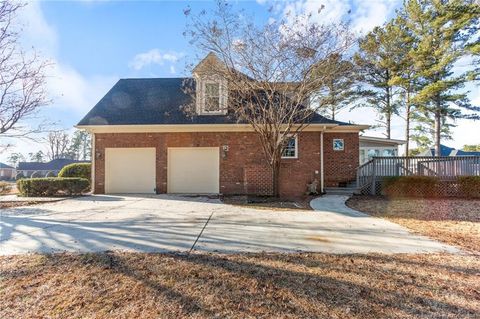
(431, 187)
(52, 186)
(83, 170)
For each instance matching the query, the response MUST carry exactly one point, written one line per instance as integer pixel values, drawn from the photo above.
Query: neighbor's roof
(448, 151)
(156, 101)
(55, 165)
(2, 165)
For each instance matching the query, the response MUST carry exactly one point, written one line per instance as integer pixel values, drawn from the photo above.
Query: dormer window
(212, 97)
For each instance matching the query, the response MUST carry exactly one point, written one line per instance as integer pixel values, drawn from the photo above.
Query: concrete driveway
(169, 223)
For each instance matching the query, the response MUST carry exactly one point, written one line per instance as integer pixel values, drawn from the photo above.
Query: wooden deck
(370, 174)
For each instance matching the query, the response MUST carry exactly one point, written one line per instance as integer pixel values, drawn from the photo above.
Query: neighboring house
(377, 146)
(447, 151)
(7, 172)
(144, 142)
(51, 168)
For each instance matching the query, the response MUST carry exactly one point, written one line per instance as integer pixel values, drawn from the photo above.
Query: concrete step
(340, 190)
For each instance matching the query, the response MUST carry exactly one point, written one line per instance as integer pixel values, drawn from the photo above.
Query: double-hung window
(212, 97)
(291, 148)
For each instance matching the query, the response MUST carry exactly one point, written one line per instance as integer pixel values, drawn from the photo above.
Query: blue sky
(92, 44)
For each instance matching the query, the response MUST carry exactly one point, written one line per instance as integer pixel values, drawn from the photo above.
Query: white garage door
(194, 170)
(130, 170)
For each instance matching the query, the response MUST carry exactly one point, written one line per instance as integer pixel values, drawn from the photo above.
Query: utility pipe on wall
(321, 162)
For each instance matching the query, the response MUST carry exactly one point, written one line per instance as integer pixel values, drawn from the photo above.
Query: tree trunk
(438, 130)
(407, 125)
(388, 124)
(388, 113)
(276, 178)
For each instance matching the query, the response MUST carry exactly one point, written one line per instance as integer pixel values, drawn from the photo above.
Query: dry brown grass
(453, 221)
(134, 285)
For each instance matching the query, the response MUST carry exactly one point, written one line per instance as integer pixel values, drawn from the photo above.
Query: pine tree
(338, 90)
(440, 30)
(376, 65)
(404, 76)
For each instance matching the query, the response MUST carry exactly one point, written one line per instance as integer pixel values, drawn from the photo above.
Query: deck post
(374, 172)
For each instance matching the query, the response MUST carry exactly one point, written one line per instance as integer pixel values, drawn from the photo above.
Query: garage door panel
(130, 170)
(194, 170)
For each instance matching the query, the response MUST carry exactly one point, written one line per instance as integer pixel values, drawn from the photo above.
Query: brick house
(144, 142)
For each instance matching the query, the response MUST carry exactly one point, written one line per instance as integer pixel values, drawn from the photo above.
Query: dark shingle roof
(2, 165)
(55, 165)
(155, 101)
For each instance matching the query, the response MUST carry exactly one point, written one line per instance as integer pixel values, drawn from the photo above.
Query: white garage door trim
(130, 170)
(193, 170)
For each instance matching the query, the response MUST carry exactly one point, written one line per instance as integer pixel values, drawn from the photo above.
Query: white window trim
(296, 148)
(223, 95)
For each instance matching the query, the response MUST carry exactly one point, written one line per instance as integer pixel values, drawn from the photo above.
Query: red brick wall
(340, 166)
(242, 167)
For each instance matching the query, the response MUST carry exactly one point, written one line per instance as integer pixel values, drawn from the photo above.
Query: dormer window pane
(212, 97)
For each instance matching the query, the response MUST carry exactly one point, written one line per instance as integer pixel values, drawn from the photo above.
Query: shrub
(19, 176)
(411, 186)
(5, 188)
(83, 170)
(469, 186)
(52, 186)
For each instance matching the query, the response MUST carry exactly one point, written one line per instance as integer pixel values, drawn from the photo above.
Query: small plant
(83, 170)
(19, 176)
(52, 186)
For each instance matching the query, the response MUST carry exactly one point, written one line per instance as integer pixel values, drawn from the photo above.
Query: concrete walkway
(374, 234)
(161, 223)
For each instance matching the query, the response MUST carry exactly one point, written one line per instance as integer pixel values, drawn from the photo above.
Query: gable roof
(54, 165)
(3, 165)
(156, 101)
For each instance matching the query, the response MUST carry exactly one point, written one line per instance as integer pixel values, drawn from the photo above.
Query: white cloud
(72, 93)
(154, 56)
(369, 14)
(36, 32)
(68, 88)
(363, 15)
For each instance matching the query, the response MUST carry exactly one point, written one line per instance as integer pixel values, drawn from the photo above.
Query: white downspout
(321, 162)
(93, 155)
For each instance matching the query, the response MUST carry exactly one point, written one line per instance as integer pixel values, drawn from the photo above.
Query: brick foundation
(242, 168)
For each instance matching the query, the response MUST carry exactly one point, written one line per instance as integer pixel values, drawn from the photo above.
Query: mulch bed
(18, 204)
(453, 221)
(136, 285)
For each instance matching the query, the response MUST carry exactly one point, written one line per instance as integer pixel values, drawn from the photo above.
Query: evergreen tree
(16, 158)
(37, 157)
(338, 90)
(440, 29)
(80, 146)
(404, 76)
(423, 133)
(376, 65)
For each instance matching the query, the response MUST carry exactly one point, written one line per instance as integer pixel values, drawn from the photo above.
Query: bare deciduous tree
(22, 76)
(271, 71)
(58, 143)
